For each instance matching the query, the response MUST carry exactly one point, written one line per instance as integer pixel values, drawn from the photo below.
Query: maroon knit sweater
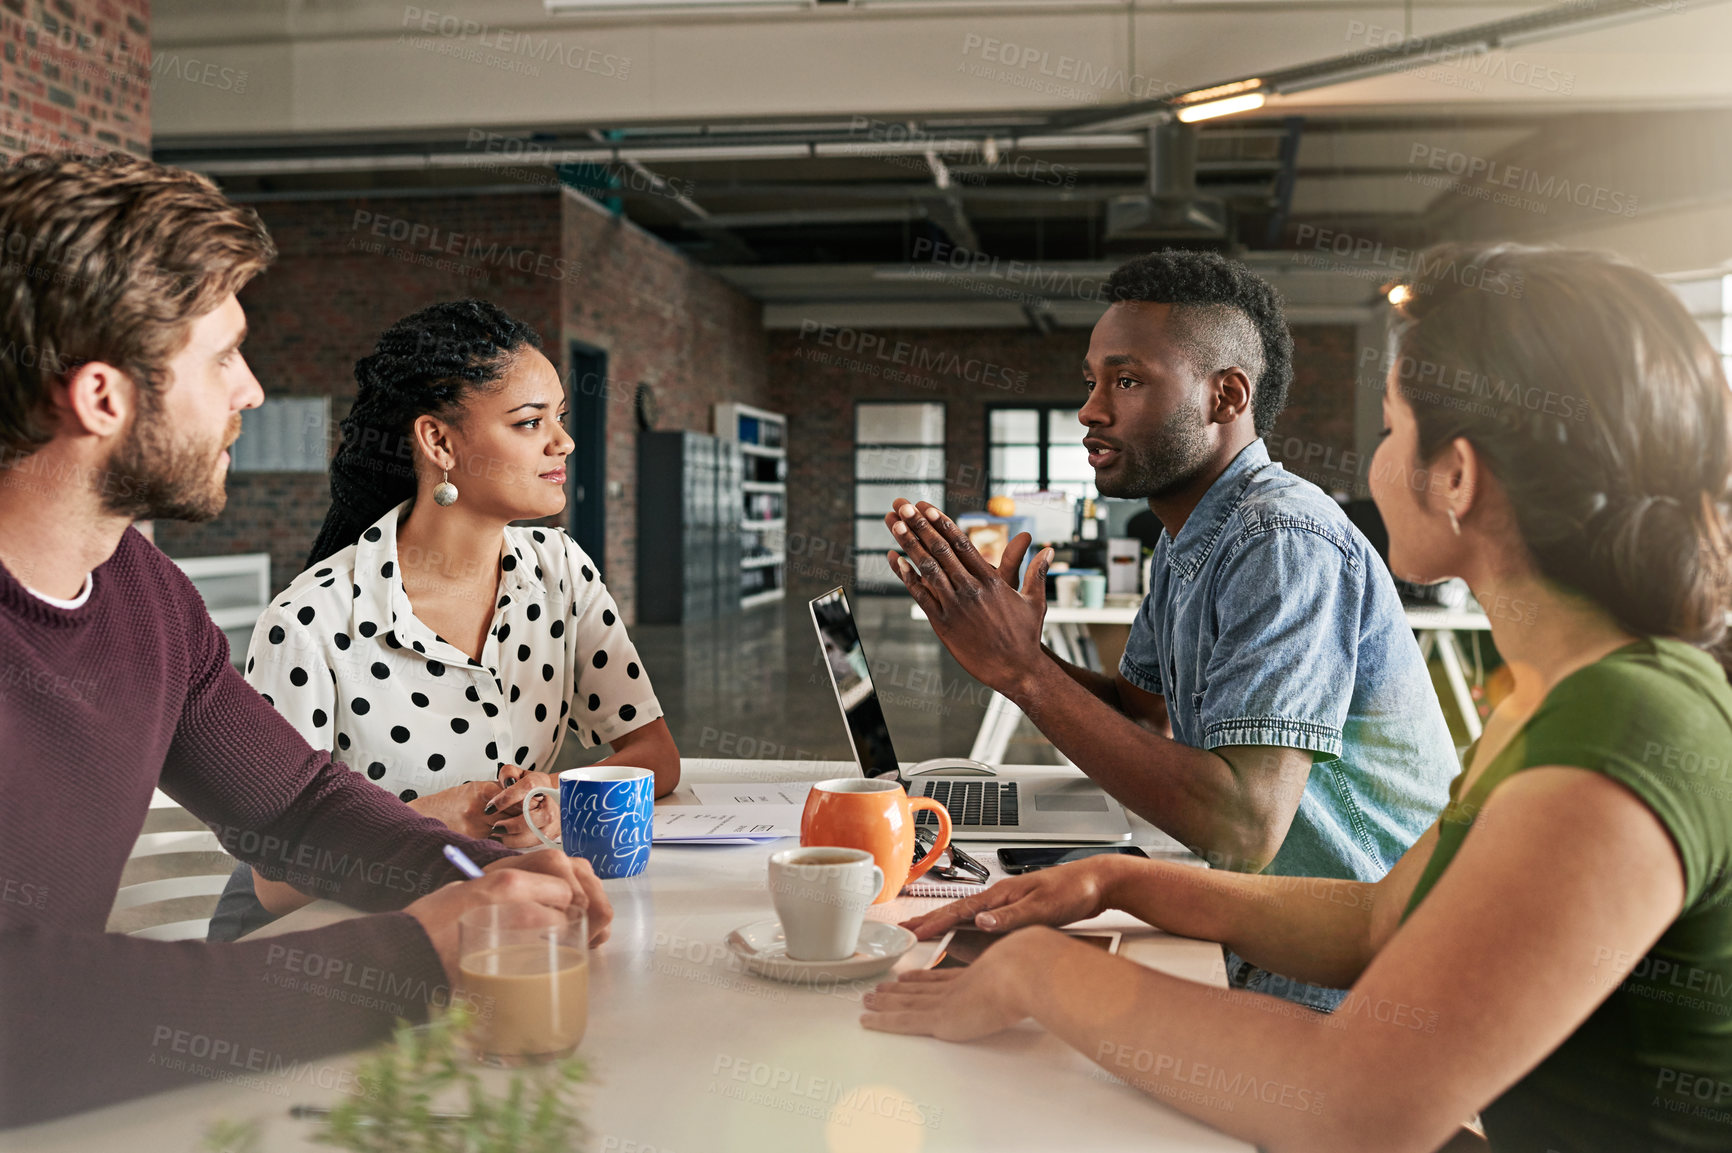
(100, 704)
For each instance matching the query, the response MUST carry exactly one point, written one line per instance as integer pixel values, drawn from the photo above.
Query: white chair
(235, 589)
(174, 888)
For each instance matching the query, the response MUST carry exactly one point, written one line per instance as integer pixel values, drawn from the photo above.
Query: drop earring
(445, 493)
(1455, 525)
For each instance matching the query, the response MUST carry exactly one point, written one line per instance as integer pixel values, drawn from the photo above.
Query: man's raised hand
(990, 625)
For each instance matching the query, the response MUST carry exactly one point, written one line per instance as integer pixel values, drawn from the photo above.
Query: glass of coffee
(523, 969)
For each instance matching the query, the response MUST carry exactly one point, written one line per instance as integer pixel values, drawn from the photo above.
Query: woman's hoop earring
(1455, 525)
(445, 493)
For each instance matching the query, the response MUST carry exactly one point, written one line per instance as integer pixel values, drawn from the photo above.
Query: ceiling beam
(1528, 28)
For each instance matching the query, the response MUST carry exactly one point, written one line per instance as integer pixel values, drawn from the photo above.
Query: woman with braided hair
(1555, 952)
(429, 644)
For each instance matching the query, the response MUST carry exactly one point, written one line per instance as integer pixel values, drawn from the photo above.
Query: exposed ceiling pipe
(1173, 161)
(1172, 206)
(660, 184)
(940, 173)
(529, 156)
(1529, 28)
(1094, 128)
(1039, 317)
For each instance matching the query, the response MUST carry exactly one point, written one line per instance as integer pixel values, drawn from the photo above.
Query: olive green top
(1651, 1069)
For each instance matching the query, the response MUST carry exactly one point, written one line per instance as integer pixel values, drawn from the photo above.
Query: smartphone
(1030, 857)
(960, 948)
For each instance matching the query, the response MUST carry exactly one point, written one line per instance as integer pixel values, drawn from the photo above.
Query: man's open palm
(990, 624)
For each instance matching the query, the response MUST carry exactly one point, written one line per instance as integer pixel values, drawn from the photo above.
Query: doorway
(587, 470)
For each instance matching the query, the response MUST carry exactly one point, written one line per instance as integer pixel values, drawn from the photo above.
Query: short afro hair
(1225, 314)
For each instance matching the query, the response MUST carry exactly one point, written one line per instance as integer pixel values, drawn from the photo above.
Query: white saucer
(763, 950)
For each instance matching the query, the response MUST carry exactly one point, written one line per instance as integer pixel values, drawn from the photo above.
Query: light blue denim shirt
(1270, 620)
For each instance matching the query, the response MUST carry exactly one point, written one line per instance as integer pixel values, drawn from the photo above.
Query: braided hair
(424, 365)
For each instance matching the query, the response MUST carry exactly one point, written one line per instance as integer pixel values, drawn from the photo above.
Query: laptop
(984, 803)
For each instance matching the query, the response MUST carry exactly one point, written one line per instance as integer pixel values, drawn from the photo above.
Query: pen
(962, 860)
(464, 865)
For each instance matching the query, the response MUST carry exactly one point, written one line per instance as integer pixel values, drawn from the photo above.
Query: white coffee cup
(1068, 586)
(821, 893)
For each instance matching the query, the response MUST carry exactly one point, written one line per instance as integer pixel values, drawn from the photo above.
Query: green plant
(233, 1137)
(412, 1087)
(419, 1094)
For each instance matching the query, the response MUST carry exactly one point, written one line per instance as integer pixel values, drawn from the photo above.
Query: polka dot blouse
(342, 655)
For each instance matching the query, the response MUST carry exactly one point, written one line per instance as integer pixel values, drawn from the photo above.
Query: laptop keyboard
(971, 803)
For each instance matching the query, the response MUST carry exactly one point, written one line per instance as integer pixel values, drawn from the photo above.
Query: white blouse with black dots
(342, 655)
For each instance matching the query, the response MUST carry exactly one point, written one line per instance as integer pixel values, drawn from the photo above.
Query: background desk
(1437, 627)
(673, 1019)
(1065, 632)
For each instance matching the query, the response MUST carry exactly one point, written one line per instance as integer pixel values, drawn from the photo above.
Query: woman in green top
(1556, 951)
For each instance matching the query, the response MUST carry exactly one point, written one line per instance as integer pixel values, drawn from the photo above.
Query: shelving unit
(688, 558)
(763, 440)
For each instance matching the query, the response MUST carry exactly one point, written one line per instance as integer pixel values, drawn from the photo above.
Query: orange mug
(875, 815)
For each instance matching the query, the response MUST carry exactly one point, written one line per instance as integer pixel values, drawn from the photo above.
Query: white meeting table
(690, 1054)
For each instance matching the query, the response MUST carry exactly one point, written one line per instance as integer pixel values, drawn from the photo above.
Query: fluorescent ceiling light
(1203, 95)
(1561, 20)
(1223, 107)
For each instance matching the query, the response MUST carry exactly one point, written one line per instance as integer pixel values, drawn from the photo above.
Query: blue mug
(605, 815)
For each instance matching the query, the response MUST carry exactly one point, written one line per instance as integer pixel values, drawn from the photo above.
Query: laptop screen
(845, 659)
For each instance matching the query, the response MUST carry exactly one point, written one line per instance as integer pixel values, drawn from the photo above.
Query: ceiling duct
(1172, 209)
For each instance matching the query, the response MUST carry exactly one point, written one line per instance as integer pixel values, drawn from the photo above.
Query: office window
(1709, 300)
(284, 434)
(1037, 447)
(898, 451)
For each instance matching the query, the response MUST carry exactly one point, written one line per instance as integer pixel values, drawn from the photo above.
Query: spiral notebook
(933, 887)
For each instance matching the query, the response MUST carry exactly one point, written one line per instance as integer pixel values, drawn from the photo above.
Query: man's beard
(1147, 472)
(155, 474)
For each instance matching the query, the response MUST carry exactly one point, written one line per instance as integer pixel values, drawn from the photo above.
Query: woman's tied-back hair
(424, 365)
(109, 258)
(1594, 398)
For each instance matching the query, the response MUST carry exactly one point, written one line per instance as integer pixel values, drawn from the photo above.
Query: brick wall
(75, 74)
(663, 321)
(818, 374)
(339, 281)
(348, 268)
(1315, 436)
